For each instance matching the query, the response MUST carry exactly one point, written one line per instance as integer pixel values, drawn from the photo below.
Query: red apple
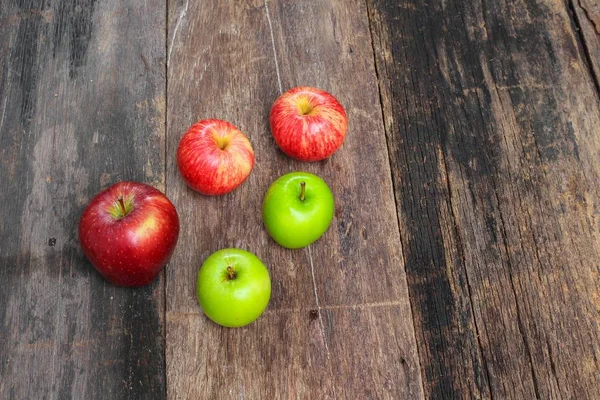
(129, 232)
(308, 124)
(214, 157)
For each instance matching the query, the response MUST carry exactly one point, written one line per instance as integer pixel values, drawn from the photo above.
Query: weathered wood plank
(339, 322)
(493, 128)
(81, 107)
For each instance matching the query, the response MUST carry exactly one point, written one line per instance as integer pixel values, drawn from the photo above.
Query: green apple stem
(231, 273)
(303, 190)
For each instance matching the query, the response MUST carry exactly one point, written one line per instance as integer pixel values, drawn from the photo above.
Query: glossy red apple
(308, 124)
(129, 232)
(214, 157)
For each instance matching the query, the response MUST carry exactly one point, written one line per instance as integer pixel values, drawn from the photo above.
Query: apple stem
(303, 190)
(122, 204)
(231, 272)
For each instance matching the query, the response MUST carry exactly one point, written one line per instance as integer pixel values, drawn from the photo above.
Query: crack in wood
(182, 15)
(312, 274)
(461, 251)
(583, 42)
(592, 13)
(176, 316)
(273, 44)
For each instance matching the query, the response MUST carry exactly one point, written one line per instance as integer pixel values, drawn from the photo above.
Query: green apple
(234, 287)
(297, 209)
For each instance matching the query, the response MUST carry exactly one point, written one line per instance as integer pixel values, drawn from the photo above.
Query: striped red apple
(214, 157)
(308, 124)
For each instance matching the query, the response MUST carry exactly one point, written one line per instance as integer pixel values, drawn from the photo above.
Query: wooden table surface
(463, 260)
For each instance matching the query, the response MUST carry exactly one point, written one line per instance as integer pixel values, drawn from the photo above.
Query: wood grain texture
(339, 322)
(493, 120)
(81, 107)
(586, 15)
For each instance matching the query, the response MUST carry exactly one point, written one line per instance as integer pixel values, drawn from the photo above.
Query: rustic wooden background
(464, 257)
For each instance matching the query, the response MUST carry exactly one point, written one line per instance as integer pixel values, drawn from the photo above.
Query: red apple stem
(303, 190)
(231, 273)
(122, 204)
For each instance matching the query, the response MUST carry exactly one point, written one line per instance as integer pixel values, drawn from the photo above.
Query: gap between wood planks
(163, 274)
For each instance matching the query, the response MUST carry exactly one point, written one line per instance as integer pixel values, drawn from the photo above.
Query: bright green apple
(234, 287)
(297, 209)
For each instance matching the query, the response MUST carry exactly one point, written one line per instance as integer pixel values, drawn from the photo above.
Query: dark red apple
(308, 124)
(214, 157)
(129, 232)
